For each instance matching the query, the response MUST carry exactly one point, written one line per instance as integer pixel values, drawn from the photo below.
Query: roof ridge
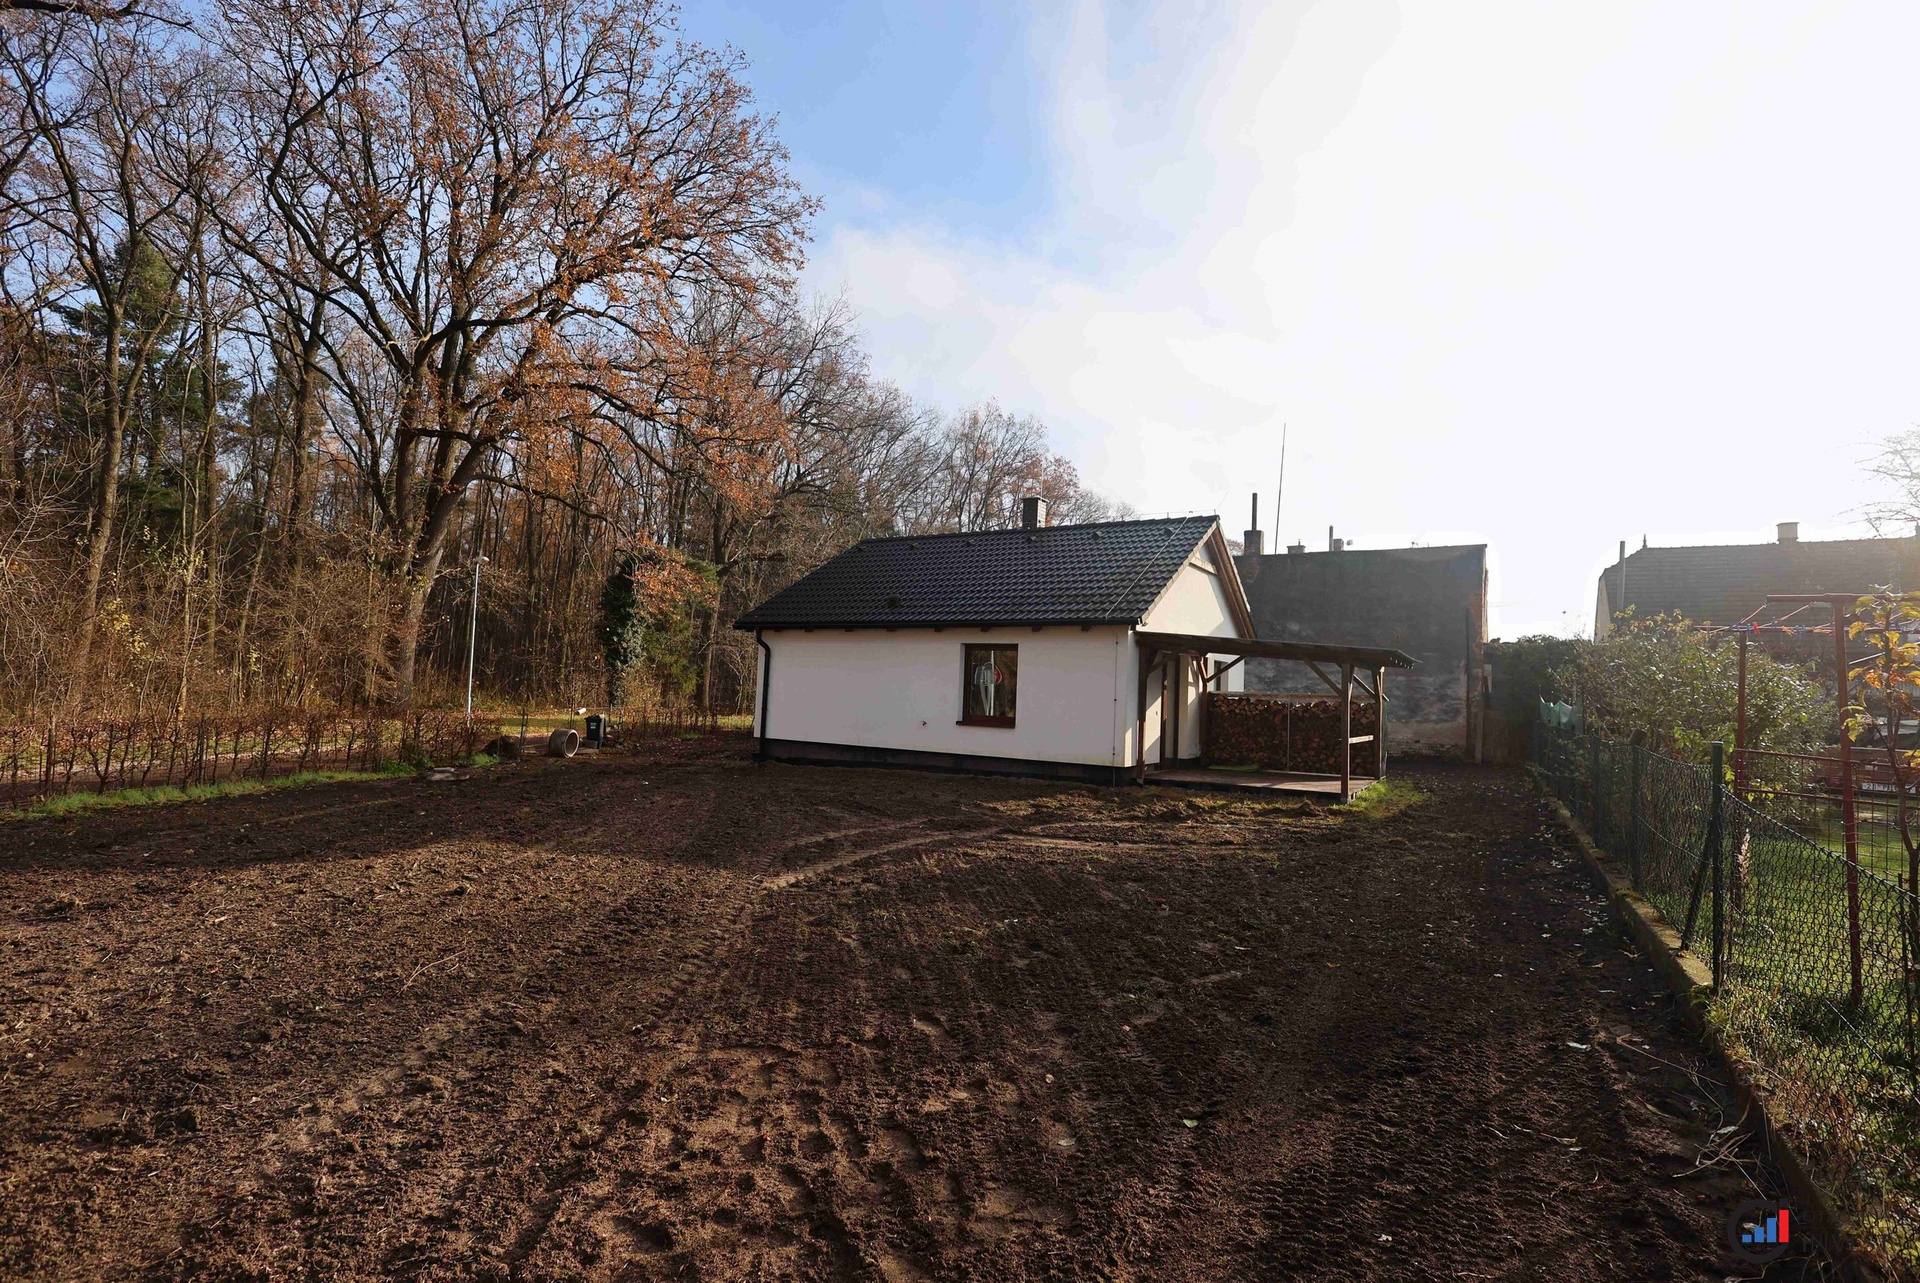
(1773, 543)
(1344, 552)
(1026, 530)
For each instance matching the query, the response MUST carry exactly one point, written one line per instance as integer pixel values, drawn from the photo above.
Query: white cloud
(1548, 275)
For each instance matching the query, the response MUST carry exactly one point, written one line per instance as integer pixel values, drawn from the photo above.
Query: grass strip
(162, 795)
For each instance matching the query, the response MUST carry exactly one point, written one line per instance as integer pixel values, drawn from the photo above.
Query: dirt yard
(672, 1015)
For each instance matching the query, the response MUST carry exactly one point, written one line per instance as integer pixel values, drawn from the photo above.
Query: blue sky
(890, 108)
(1544, 274)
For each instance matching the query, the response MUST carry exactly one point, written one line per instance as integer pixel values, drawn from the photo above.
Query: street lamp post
(473, 631)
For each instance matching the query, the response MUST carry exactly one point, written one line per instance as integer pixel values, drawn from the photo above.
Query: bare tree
(1897, 466)
(92, 12)
(508, 186)
(94, 212)
(300, 306)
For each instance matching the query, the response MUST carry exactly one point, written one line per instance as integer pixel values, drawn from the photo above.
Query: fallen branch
(423, 968)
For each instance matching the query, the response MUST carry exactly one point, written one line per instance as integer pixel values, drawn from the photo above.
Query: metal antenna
(1281, 492)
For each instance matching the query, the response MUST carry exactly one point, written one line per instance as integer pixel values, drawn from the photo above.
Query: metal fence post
(1634, 760)
(1714, 845)
(1593, 786)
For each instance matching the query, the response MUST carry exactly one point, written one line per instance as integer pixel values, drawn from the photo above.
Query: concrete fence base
(1691, 979)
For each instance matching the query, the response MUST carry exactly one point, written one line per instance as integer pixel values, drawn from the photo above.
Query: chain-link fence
(1815, 957)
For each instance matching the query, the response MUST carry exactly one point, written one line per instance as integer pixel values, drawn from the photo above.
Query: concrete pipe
(563, 743)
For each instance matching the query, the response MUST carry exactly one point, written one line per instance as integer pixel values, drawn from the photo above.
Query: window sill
(1004, 723)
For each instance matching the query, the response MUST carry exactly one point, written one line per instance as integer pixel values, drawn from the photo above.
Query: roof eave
(749, 625)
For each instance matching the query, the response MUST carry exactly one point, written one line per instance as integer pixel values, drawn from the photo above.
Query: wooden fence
(102, 755)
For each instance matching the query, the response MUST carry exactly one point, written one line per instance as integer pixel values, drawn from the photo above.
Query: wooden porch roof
(1308, 652)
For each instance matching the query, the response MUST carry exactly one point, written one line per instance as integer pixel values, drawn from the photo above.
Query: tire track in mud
(662, 1047)
(684, 932)
(874, 1151)
(296, 1154)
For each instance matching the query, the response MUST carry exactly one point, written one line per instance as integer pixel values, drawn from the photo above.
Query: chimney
(1336, 545)
(1296, 548)
(1789, 532)
(1033, 512)
(1253, 543)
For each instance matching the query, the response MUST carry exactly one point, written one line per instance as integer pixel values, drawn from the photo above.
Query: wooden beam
(1321, 674)
(1208, 644)
(1229, 575)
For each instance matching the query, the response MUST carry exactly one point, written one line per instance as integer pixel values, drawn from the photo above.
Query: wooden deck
(1323, 786)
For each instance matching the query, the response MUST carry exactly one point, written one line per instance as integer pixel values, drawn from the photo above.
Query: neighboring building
(1080, 651)
(1430, 603)
(1725, 583)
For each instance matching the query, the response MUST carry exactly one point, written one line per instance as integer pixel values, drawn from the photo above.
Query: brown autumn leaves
(308, 305)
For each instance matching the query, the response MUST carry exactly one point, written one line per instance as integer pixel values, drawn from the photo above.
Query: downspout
(766, 684)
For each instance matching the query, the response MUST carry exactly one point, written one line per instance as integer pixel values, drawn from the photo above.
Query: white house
(1080, 651)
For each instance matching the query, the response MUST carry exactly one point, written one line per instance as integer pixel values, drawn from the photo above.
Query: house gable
(1204, 597)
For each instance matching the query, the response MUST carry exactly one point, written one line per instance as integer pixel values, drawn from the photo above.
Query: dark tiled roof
(1109, 572)
(1724, 584)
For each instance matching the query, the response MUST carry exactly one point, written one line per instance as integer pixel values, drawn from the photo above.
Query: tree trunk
(306, 385)
(439, 507)
(407, 640)
(106, 500)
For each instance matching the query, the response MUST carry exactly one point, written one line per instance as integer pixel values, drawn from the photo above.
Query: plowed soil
(666, 1014)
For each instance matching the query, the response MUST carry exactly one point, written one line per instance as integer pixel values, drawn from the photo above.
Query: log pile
(1285, 734)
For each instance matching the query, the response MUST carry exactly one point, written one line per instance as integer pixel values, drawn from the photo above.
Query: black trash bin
(599, 730)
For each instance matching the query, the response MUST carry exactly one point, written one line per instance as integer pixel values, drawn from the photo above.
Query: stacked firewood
(1284, 734)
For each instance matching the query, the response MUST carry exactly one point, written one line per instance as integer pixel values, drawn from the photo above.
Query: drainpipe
(766, 683)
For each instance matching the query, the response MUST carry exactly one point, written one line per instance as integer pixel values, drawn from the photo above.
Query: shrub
(1680, 685)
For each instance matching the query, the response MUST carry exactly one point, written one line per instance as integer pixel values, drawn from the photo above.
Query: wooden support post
(1165, 668)
(1176, 707)
(1346, 731)
(1380, 722)
(1140, 710)
(1202, 680)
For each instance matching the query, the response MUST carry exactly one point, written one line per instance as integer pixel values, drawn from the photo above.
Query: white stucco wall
(1194, 602)
(903, 690)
